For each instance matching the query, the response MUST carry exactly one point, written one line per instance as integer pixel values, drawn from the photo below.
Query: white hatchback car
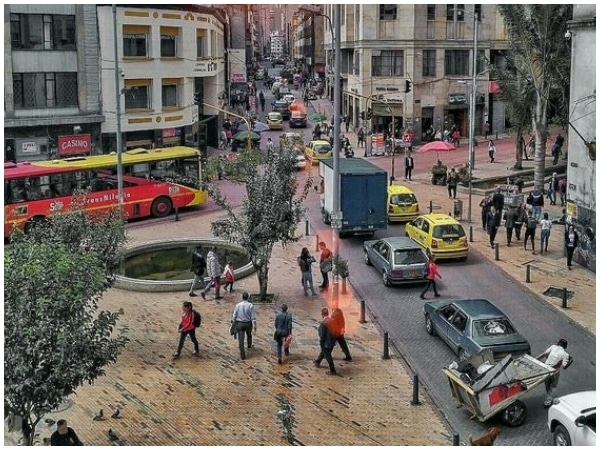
(572, 419)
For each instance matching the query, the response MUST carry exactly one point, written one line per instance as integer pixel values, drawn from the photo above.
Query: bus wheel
(161, 207)
(33, 222)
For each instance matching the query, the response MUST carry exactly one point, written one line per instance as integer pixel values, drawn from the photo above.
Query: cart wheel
(515, 414)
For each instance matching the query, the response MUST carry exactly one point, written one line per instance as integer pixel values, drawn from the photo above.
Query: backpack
(531, 223)
(197, 319)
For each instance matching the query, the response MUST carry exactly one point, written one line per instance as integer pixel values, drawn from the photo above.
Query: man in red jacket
(432, 272)
(187, 328)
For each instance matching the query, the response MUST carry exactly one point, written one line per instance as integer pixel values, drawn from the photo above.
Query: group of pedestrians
(218, 276)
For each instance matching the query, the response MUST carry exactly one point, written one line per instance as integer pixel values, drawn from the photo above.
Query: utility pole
(118, 111)
(337, 103)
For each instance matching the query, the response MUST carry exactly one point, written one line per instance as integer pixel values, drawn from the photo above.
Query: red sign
(169, 132)
(74, 145)
(495, 88)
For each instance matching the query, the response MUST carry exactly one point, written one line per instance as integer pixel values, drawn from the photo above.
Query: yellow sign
(572, 210)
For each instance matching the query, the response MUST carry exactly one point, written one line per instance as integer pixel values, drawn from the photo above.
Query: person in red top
(325, 264)
(432, 272)
(187, 328)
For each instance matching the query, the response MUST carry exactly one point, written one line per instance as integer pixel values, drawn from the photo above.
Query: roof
(355, 166)
(440, 218)
(402, 242)
(399, 189)
(479, 308)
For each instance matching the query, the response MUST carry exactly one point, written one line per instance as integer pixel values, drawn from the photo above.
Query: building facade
(277, 44)
(166, 57)
(52, 104)
(384, 46)
(581, 169)
(309, 50)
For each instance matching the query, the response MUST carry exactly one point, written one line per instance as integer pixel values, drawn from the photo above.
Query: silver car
(399, 259)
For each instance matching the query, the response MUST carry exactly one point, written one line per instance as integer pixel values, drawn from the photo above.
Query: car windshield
(274, 116)
(402, 199)
(448, 231)
(411, 256)
(492, 327)
(322, 148)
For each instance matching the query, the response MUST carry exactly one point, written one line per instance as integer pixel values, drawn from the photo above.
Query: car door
(378, 257)
(441, 320)
(456, 332)
(413, 229)
(585, 432)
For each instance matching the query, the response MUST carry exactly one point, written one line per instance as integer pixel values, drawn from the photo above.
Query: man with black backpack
(198, 266)
(190, 320)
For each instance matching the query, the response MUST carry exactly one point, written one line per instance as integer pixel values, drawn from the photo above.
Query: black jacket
(326, 338)
(198, 263)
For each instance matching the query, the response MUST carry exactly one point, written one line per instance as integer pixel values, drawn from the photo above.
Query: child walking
(228, 275)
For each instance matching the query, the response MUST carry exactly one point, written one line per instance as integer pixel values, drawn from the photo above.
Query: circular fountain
(164, 265)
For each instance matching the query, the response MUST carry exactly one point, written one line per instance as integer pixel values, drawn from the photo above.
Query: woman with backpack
(190, 320)
(305, 261)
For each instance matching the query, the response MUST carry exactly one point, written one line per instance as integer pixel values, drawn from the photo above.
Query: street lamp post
(118, 112)
(472, 115)
(337, 101)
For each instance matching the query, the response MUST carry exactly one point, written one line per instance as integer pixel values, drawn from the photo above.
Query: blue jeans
(308, 279)
(544, 238)
(537, 212)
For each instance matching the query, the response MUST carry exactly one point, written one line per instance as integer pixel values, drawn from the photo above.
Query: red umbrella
(437, 146)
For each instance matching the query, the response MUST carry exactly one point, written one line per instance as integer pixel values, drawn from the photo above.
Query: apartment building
(166, 55)
(52, 104)
(431, 46)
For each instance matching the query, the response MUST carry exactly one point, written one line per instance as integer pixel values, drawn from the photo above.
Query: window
(169, 95)
(168, 41)
(45, 90)
(42, 32)
(389, 63)
(388, 12)
(430, 12)
(458, 9)
(137, 94)
(135, 40)
(457, 62)
(200, 43)
(429, 63)
(481, 61)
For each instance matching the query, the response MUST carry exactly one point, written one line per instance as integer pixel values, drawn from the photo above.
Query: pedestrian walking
(552, 188)
(187, 327)
(338, 330)
(223, 140)
(283, 332)
(305, 261)
(347, 123)
(545, 228)
(536, 200)
(493, 223)
(486, 129)
(557, 148)
(556, 357)
(456, 138)
(485, 205)
(491, 150)
(452, 183)
(317, 132)
(571, 242)
(326, 342)
(197, 267)
(409, 165)
(562, 190)
(498, 200)
(531, 225)
(270, 145)
(261, 98)
(432, 272)
(244, 320)
(228, 276)
(325, 265)
(509, 223)
(519, 220)
(213, 269)
(229, 136)
(361, 137)
(64, 435)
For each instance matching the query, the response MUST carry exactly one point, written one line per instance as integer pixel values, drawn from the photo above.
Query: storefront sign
(74, 145)
(169, 132)
(29, 148)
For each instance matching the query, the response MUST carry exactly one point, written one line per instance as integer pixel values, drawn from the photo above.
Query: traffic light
(362, 115)
(369, 113)
(197, 98)
(408, 86)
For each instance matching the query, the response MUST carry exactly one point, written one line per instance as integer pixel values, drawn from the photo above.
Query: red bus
(154, 183)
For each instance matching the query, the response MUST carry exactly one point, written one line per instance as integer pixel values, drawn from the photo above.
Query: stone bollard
(176, 214)
(386, 346)
(430, 206)
(415, 392)
(470, 233)
(362, 312)
(455, 440)
(306, 229)
(528, 274)
(564, 298)
(497, 251)
(317, 246)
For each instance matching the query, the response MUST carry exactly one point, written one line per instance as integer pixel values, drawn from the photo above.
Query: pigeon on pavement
(112, 435)
(116, 414)
(99, 416)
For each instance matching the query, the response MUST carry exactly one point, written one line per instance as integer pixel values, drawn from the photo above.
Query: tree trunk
(519, 149)
(539, 128)
(262, 272)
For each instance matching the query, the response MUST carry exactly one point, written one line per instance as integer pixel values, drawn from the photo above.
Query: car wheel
(429, 325)
(561, 436)
(386, 279)
(367, 259)
(515, 414)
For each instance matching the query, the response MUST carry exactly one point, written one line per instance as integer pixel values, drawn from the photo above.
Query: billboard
(237, 65)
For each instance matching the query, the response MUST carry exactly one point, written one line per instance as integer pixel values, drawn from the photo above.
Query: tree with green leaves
(55, 336)
(270, 213)
(542, 57)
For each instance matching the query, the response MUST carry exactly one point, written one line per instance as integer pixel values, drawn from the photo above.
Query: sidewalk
(217, 399)
(547, 270)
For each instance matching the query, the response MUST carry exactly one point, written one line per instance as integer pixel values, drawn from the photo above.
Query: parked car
(398, 259)
(572, 419)
(292, 137)
(317, 150)
(275, 120)
(472, 325)
(300, 158)
(441, 235)
(289, 98)
(402, 204)
(298, 120)
(281, 106)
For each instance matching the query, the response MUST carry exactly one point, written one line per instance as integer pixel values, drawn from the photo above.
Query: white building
(277, 44)
(581, 170)
(165, 56)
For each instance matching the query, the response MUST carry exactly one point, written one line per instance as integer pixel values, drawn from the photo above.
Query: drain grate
(558, 292)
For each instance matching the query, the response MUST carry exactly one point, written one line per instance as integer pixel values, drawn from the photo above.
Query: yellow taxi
(439, 234)
(317, 150)
(275, 120)
(402, 204)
